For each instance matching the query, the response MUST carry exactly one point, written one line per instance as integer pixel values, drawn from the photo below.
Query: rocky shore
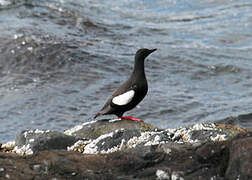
(124, 149)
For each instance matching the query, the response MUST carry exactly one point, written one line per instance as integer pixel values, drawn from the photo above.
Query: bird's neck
(139, 69)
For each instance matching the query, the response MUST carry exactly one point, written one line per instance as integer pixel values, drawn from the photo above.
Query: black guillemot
(131, 92)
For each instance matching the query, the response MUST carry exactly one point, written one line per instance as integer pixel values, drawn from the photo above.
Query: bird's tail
(98, 114)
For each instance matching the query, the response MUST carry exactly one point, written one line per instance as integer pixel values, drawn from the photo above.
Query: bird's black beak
(152, 50)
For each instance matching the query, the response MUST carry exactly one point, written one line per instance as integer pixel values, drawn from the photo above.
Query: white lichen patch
(147, 139)
(92, 147)
(157, 140)
(203, 126)
(5, 2)
(7, 176)
(219, 137)
(182, 135)
(132, 142)
(31, 140)
(176, 176)
(167, 150)
(115, 148)
(9, 146)
(78, 146)
(36, 131)
(162, 175)
(24, 150)
(145, 136)
(71, 131)
(114, 120)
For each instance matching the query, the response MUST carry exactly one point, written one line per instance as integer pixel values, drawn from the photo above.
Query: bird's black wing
(109, 105)
(123, 96)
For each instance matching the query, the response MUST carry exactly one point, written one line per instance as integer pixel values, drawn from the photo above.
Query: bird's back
(140, 88)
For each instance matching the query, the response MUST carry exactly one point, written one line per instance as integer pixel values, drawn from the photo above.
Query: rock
(122, 139)
(130, 150)
(111, 142)
(162, 175)
(94, 129)
(28, 142)
(7, 147)
(213, 160)
(125, 138)
(240, 162)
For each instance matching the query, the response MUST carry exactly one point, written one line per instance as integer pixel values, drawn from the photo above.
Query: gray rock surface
(39, 140)
(240, 163)
(139, 151)
(94, 129)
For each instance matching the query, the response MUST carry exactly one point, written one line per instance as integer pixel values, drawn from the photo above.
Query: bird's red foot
(131, 118)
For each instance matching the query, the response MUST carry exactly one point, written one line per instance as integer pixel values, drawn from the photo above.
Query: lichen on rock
(129, 150)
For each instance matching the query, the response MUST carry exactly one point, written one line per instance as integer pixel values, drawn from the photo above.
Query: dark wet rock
(107, 136)
(240, 162)
(110, 136)
(38, 140)
(214, 160)
(111, 142)
(95, 129)
(202, 151)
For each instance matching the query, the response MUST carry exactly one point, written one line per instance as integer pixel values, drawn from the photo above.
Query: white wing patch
(124, 98)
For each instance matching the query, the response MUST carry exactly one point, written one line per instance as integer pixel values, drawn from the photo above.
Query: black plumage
(132, 91)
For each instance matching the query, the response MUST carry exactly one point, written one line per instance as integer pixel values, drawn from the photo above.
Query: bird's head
(141, 54)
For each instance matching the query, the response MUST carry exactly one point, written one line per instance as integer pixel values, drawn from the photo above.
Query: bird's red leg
(131, 118)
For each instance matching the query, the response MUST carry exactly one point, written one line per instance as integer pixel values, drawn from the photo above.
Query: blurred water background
(61, 59)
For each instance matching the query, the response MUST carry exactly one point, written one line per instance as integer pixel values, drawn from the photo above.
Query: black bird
(131, 92)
